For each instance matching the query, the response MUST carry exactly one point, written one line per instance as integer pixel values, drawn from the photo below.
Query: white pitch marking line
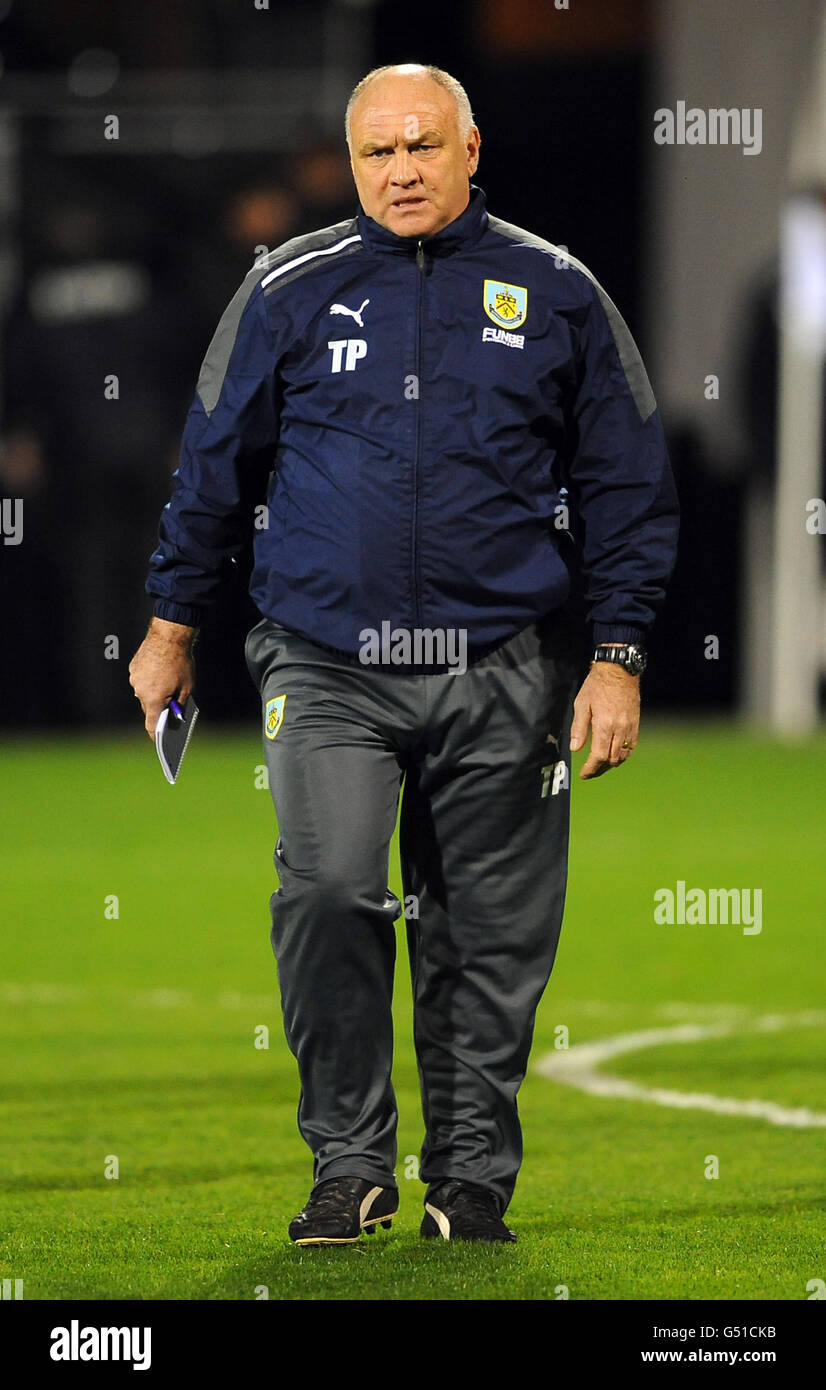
(578, 1065)
(159, 998)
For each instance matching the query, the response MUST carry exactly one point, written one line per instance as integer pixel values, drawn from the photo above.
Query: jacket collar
(463, 231)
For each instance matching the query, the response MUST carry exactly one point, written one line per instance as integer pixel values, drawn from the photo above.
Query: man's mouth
(408, 202)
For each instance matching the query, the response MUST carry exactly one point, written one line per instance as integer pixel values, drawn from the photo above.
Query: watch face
(632, 658)
(635, 660)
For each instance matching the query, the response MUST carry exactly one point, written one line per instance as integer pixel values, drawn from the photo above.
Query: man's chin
(420, 219)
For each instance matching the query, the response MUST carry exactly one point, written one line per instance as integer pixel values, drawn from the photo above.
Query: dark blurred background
(117, 257)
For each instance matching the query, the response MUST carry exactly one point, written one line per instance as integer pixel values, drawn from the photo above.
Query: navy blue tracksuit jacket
(415, 413)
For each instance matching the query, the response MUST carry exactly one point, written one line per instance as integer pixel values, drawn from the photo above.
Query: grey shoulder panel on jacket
(629, 355)
(283, 265)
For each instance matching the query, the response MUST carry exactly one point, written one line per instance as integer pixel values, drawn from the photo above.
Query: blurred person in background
(253, 218)
(323, 183)
(94, 389)
(759, 356)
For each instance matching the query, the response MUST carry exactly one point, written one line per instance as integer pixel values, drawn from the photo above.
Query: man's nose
(403, 170)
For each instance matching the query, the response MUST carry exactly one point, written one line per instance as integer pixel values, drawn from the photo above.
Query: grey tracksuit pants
(483, 839)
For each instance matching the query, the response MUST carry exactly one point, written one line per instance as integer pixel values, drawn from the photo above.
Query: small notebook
(172, 737)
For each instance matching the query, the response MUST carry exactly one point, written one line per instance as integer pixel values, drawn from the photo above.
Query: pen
(176, 709)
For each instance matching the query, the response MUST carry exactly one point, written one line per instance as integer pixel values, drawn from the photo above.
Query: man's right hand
(163, 668)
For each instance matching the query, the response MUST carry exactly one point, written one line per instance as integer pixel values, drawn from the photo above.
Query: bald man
(447, 418)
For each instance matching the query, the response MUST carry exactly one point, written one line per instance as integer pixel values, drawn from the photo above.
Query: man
(423, 392)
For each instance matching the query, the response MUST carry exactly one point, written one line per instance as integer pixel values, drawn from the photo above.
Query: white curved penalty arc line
(578, 1065)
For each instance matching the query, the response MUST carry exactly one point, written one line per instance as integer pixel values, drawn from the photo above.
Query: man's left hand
(609, 704)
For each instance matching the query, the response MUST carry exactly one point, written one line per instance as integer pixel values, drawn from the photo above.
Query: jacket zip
(420, 258)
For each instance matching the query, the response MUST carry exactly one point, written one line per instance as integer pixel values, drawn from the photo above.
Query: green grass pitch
(134, 1037)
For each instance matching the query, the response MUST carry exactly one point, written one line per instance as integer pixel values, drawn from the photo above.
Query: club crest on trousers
(274, 715)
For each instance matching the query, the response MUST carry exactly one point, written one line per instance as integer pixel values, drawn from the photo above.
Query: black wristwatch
(629, 655)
